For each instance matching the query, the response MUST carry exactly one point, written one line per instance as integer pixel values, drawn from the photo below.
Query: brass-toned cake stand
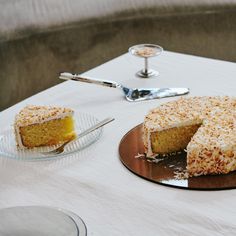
(164, 171)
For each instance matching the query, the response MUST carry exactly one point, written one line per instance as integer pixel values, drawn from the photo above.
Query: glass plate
(40, 221)
(82, 122)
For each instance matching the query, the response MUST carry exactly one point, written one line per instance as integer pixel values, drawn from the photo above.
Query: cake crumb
(178, 175)
(140, 155)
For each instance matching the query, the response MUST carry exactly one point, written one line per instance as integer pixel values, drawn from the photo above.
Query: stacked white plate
(40, 221)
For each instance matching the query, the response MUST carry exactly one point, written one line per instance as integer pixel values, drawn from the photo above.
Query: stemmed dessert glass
(146, 51)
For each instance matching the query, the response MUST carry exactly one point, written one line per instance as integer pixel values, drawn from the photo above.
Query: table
(94, 184)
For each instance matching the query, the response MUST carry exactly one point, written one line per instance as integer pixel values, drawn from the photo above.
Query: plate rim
(71, 215)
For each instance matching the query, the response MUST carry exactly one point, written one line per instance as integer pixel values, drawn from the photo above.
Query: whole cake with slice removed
(37, 126)
(205, 127)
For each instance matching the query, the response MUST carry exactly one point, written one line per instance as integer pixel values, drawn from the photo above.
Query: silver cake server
(131, 94)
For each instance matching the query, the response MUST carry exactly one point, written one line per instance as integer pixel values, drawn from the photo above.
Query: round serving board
(164, 171)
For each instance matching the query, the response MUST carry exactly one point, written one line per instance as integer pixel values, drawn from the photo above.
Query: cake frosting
(212, 149)
(33, 114)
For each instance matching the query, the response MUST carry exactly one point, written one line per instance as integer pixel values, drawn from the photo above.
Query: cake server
(131, 94)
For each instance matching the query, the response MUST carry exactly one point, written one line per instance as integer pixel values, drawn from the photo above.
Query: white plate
(40, 221)
(83, 121)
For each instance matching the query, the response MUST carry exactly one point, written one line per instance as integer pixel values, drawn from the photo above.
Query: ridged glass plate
(83, 121)
(39, 221)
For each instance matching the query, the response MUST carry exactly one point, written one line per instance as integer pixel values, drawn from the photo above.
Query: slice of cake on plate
(204, 126)
(37, 126)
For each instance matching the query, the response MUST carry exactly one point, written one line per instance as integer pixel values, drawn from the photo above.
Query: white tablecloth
(94, 184)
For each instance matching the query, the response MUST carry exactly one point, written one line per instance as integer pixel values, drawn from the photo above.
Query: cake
(205, 127)
(37, 126)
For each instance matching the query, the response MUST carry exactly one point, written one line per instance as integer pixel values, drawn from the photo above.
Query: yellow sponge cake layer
(173, 139)
(48, 133)
(37, 126)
